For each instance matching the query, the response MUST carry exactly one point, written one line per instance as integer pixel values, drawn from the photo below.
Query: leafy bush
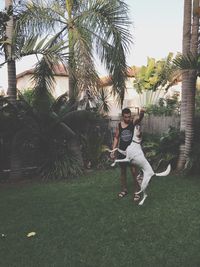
(94, 142)
(167, 107)
(61, 162)
(164, 149)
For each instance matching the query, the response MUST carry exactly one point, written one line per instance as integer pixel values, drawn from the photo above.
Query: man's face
(127, 117)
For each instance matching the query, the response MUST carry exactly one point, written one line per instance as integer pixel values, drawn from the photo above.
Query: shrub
(164, 149)
(167, 107)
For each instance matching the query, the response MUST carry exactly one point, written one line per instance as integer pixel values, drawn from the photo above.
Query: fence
(153, 124)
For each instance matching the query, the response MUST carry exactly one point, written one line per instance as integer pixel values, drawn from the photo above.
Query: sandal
(136, 197)
(122, 194)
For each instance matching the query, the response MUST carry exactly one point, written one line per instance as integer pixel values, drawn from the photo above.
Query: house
(25, 80)
(132, 99)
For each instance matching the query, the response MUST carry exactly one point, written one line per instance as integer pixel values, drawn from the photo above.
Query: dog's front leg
(120, 151)
(119, 160)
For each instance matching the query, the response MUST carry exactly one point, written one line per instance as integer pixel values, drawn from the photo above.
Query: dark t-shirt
(125, 137)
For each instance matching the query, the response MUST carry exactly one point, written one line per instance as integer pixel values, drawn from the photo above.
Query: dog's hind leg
(143, 199)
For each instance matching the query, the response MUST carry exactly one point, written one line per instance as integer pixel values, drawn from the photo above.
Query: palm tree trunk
(12, 88)
(71, 65)
(71, 72)
(185, 86)
(192, 83)
(185, 77)
(189, 132)
(12, 92)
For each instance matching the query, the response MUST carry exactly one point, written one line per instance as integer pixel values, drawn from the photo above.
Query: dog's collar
(136, 142)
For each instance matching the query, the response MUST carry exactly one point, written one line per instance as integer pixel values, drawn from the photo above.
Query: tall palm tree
(89, 28)
(189, 75)
(14, 46)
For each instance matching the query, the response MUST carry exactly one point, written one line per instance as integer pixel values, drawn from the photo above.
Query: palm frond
(36, 46)
(187, 62)
(43, 78)
(103, 101)
(108, 22)
(45, 17)
(4, 18)
(83, 64)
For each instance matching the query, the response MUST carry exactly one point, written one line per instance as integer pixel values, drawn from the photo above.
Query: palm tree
(189, 75)
(14, 46)
(88, 28)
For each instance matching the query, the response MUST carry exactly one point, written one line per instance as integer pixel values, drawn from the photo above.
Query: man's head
(126, 114)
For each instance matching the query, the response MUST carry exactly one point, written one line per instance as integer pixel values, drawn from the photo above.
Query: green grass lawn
(83, 223)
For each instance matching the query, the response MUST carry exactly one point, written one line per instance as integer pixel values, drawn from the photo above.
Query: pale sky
(157, 30)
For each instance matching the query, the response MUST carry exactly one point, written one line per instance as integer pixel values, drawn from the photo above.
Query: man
(122, 139)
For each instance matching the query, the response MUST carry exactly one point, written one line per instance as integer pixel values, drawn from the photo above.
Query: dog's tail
(165, 173)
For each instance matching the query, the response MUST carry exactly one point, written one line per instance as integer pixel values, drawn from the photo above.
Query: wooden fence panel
(153, 124)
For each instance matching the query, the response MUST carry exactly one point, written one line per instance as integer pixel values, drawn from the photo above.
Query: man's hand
(143, 110)
(112, 155)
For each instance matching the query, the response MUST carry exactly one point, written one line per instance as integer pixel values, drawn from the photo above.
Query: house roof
(131, 72)
(59, 70)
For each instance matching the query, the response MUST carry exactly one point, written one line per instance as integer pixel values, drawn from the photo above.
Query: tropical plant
(14, 46)
(164, 149)
(47, 132)
(153, 80)
(166, 106)
(87, 28)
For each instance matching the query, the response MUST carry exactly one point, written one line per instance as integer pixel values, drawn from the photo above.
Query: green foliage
(187, 62)
(28, 96)
(155, 78)
(4, 17)
(48, 136)
(59, 161)
(40, 101)
(93, 144)
(164, 149)
(165, 106)
(155, 75)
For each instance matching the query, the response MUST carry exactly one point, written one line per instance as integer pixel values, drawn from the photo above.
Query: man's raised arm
(141, 116)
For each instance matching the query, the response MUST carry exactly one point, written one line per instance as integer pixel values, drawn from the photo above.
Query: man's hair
(126, 111)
